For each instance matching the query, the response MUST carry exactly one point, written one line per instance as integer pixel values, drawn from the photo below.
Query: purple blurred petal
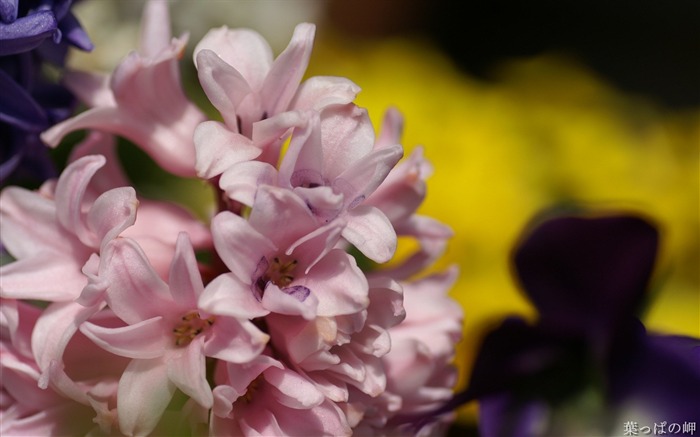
(8, 11)
(519, 357)
(60, 8)
(505, 415)
(28, 32)
(18, 108)
(25, 159)
(586, 274)
(661, 376)
(74, 33)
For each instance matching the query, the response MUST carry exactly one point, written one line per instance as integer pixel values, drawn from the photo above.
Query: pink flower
(400, 195)
(27, 407)
(143, 98)
(168, 218)
(418, 368)
(254, 95)
(264, 398)
(333, 166)
(342, 354)
(166, 334)
(52, 233)
(282, 262)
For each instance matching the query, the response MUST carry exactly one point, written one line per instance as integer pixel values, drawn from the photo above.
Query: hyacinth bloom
(52, 233)
(166, 334)
(28, 407)
(142, 99)
(332, 165)
(255, 95)
(265, 398)
(587, 276)
(398, 197)
(282, 262)
(123, 315)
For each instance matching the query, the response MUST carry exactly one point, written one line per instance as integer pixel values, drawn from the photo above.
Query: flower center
(278, 272)
(190, 326)
(252, 388)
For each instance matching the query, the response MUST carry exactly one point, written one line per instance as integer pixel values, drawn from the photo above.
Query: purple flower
(588, 278)
(25, 26)
(33, 33)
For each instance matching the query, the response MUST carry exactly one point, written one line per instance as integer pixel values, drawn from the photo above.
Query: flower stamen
(190, 326)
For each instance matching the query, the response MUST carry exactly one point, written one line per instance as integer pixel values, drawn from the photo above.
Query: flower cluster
(124, 315)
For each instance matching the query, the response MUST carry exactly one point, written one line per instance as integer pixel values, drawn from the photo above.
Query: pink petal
(276, 127)
(370, 231)
(239, 245)
(159, 254)
(112, 213)
(317, 92)
(91, 88)
(150, 93)
(236, 341)
(243, 49)
(386, 302)
(408, 366)
(404, 188)
(304, 157)
(136, 292)
(277, 301)
(310, 248)
(70, 190)
(20, 382)
(391, 130)
(239, 376)
(293, 390)
(95, 289)
(347, 136)
(45, 276)
(185, 280)
(226, 295)
(301, 339)
(262, 423)
(325, 419)
(286, 72)
(241, 181)
(170, 219)
(269, 134)
(187, 370)
(143, 340)
(322, 201)
(144, 393)
(367, 173)
(29, 223)
(111, 175)
(281, 216)
(54, 329)
(155, 28)
(339, 284)
(18, 319)
(225, 87)
(105, 118)
(218, 148)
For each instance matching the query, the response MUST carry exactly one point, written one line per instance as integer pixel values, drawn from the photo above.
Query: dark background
(643, 47)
